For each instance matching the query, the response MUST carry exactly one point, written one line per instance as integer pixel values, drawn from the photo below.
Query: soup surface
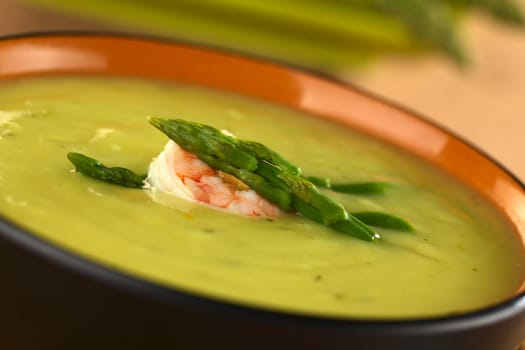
(462, 255)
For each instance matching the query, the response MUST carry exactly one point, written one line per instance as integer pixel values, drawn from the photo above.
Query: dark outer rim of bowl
(76, 263)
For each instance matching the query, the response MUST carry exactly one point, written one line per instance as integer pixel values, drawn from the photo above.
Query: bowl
(54, 299)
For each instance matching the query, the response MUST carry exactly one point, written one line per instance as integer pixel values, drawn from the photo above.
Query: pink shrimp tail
(207, 186)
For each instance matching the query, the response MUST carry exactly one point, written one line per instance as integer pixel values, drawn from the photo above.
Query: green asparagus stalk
(306, 191)
(115, 175)
(505, 10)
(262, 152)
(282, 174)
(256, 182)
(322, 34)
(371, 218)
(203, 139)
(349, 226)
(360, 187)
(263, 38)
(355, 227)
(322, 182)
(366, 188)
(430, 20)
(270, 171)
(383, 220)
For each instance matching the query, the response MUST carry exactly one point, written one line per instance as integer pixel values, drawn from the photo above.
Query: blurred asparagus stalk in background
(322, 34)
(430, 21)
(504, 10)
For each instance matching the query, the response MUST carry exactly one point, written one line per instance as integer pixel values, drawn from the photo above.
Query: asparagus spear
(360, 187)
(430, 20)
(315, 33)
(349, 226)
(383, 220)
(322, 182)
(270, 171)
(306, 191)
(262, 152)
(355, 227)
(203, 139)
(115, 175)
(259, 184)
(188, 22)
(368, 217)
(352, 187)
(505, 10)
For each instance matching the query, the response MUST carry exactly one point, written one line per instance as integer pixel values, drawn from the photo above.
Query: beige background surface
(484, 103)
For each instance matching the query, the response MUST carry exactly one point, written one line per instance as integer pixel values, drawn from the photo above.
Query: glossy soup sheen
(462, 256)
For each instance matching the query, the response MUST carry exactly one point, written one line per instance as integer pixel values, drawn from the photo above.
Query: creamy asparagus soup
(461, 254)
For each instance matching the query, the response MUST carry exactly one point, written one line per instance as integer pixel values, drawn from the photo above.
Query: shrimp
(182, 174)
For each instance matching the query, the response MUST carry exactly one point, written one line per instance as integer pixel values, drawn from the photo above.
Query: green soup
(463, 255)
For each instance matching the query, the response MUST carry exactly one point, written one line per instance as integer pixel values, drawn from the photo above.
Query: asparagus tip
(156, 122)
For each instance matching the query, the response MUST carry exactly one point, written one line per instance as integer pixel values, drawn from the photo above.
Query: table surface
(484, 103)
